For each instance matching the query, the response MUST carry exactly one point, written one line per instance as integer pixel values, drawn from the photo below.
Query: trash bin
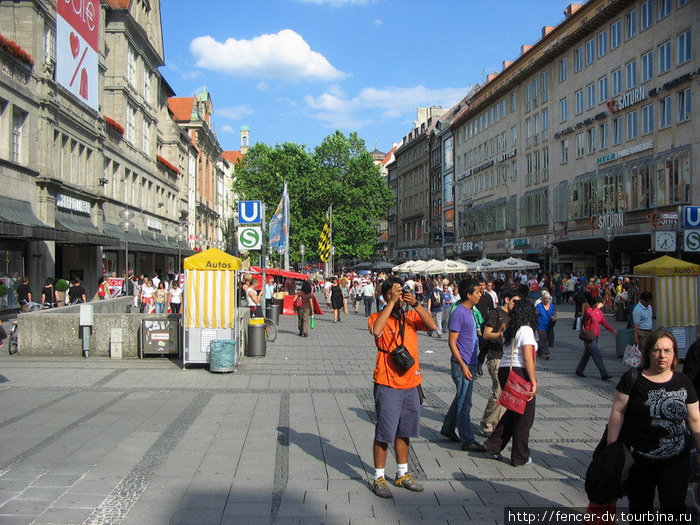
(622, 339)
(273, 312)
(222, 355)
(256, 338)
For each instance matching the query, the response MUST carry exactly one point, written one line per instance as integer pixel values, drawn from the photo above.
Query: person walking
(546, 318)
(368, 297)
(336, 299)
(464, 346)
(592, 319)
(446, 306)
(77, 293)
(175, 298)
(160, 298)
(519, 350)
(146, 296)
(655, 413)
(494, 327)
(103, 289)
(436, 302)
(397, 390)
(642, 315)
(305, 309)
(356, 295)
(48, 294)
(253, 297)
(24, 294)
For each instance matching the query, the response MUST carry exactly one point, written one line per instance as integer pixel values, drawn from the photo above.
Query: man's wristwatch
(416, 304)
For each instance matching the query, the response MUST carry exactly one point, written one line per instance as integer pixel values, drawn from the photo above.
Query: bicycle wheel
(270, 330)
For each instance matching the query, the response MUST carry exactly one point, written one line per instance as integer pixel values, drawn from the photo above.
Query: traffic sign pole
(263, 262)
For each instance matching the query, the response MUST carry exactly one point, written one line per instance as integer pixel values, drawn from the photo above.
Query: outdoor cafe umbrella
(448, 266)
(422, 266)
(513, 263)
(382, 265)
(404, 267)
(488, 265)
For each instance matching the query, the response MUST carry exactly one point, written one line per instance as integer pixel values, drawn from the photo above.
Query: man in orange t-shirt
(396, 392)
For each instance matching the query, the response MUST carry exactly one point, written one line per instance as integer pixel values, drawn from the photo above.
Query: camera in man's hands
(407, 289)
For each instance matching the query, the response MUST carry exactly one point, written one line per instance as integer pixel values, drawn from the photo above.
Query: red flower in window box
(13, 49)
(165, 163)
(114, 125)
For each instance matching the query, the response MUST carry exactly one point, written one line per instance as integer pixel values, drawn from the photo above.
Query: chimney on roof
(524, 49)
(506, 64)
(571, 9)
(546, 30)
(491, 76)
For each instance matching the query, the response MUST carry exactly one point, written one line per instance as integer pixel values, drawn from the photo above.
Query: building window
(146, 141)
(684, 49)
(590, 51)
(647, 9)
(17, 140)
(602, 42)
(664, 112)
(545, 164)
(131, 66)
(545, 122)
(617, 82)
(603, 89)
(590, 140)
(664, 57)
(563, 69)
(49, 45)
(647, 66)
(564, 145)
(617, 130)
(564, 109)
(631, 69)
(578, 59)
(545, 87)
(528, 96)
(528, 132)
(579, 145)
(630, 25)
(513, 101)
(604, 132)
(681, 3)
(590, 96)
(615, 34)
(631, 125)
(130, 123)
(528, 169)
(647, 119)
(147, 85)
(684, 102)
(664, 8)
(579, 101)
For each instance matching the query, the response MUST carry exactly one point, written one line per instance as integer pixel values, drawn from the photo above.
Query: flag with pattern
(324, 243)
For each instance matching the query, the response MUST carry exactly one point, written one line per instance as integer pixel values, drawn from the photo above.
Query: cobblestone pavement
(285, 439)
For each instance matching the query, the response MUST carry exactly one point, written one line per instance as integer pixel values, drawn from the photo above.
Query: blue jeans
(459, 414)
(160, 308)
(591, 350)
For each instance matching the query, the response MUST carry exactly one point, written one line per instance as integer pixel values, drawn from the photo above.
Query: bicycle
(270, 330)
(14, 338)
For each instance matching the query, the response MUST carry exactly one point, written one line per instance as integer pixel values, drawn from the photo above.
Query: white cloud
(335, 109)
(263, 86)
(226, 128)
(191, 75)
(234, 112)
(336, 3)
(378, 22)
(284, 55)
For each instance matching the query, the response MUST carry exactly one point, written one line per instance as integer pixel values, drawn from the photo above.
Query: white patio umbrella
(448, 266)
(487, 265)
(513, 263)
(422, 266)
(405, 267)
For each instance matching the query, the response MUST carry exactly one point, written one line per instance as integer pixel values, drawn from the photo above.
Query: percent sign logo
(75, 50)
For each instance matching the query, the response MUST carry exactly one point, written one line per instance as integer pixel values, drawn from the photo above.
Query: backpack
(436, 299)
(534, 287)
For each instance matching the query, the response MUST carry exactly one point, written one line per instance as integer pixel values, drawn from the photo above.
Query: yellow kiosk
(209, 303)
(674, 285)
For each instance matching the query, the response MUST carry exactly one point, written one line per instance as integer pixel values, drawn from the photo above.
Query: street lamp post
(126, 224)
(609, 236)
(332, 260)
(180, 237)
(302, 252)
(201, 241)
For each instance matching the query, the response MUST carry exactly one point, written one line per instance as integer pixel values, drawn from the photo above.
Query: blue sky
(297, 70)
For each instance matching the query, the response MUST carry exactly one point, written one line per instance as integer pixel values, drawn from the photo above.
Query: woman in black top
(652, 409)
(336, 299)
(48, 294)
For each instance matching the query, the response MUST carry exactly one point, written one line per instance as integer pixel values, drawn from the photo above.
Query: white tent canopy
(404, 267)
(513, 263)
(487, 265)
(448, 266)
(423, 266)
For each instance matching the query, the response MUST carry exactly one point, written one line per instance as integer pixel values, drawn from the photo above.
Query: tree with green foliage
(340, 173)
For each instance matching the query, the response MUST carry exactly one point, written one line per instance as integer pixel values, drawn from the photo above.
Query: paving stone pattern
(285, 439)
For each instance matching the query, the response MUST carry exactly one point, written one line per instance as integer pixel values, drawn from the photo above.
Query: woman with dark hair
(336, 299)
(592, 319)
(48, 294)
(306, 309)
(519, 351)
(652, 411)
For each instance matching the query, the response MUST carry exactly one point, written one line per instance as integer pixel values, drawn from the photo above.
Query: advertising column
(77, 40)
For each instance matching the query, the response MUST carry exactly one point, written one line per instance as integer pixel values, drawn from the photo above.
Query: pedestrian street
(286, 438)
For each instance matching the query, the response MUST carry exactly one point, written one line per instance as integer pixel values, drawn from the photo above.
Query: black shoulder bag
(400, 355)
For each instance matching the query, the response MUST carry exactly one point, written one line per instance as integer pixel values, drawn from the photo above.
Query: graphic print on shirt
(668, 411)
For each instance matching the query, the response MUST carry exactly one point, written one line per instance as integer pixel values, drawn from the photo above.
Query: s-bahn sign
(249, 237)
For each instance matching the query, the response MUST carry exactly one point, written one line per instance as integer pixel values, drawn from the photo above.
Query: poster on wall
(116, 284)
(77, 41)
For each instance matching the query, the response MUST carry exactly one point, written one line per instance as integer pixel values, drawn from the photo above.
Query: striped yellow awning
(210, 289)
(677, 301)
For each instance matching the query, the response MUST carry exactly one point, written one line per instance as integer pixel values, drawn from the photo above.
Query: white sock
(401, 469)
(378, 473)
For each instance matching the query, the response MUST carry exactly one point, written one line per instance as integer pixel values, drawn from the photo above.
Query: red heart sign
(74, 44)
